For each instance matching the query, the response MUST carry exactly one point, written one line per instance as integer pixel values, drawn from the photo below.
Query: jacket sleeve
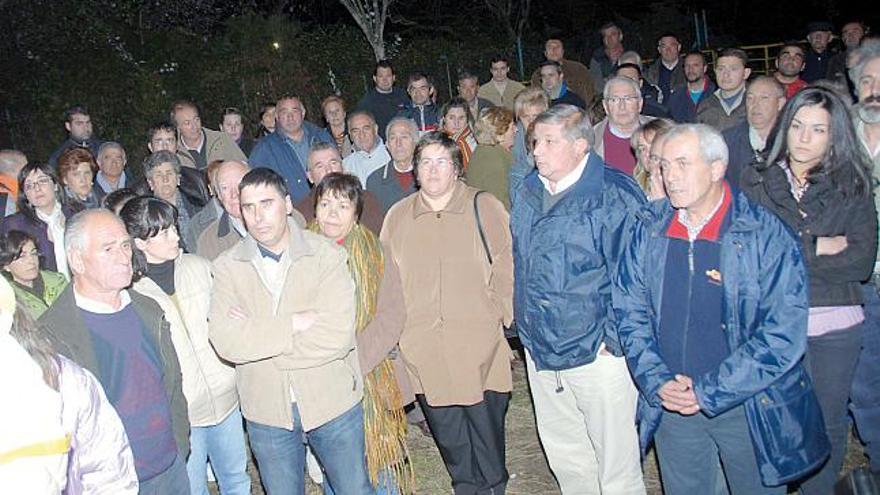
(776, 341)
(253, 339)
(332, 336)
(496, 226)
(636, 319)
(856, 262)
(231, 151)
(382, 334)
(102, 459)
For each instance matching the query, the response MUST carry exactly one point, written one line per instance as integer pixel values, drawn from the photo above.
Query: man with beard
(865, 394)
(818, 56)
(789, 65)
(683, 101)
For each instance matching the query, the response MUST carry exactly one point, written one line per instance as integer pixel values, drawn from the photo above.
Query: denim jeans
(224, 445)
(338, 445)
(173, 481)
(865, 395)
(688, 448)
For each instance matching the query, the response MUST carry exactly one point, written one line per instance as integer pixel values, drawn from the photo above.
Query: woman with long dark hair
(181, 285)
(42, 212)
(817, 179)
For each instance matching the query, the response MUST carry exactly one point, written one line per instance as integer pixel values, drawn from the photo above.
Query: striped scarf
(384, 419)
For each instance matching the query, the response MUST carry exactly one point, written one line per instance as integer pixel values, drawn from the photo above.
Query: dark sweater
(383, 106)
(130, 371)
(692, 338)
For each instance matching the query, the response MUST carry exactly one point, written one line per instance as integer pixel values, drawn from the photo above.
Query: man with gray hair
(395, 180)
(11, 163)
(622, 99)
(865, 394)
(111, 175)
(568, 223)
(710, 297)
(122, 338)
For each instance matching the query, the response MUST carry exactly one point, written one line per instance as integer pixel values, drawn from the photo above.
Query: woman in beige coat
(457, 298)
(181, 285)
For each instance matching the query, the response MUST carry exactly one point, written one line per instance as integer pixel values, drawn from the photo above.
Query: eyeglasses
(38, 184)
(614, 100)
(435, 162)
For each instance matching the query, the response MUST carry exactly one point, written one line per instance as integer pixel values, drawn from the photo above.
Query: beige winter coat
(453, 343)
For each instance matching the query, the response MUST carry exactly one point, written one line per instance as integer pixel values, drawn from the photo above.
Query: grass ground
(529, 473)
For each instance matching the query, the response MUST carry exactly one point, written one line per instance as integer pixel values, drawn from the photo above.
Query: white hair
(710, 142)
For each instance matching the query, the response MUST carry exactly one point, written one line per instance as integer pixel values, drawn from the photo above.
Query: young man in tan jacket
(283, 310)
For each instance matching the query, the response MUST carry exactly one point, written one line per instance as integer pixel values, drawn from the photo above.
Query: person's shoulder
(194, 262)
(622, 188)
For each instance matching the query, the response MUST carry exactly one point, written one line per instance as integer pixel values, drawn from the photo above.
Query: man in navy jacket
(711, 300)
(568, 222)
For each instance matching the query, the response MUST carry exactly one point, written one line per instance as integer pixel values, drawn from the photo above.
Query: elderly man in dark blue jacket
(568, 222)
(711, 299)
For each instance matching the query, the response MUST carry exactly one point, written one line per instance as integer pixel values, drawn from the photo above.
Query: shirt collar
(710, 230)
(569, 180)
(93, 306)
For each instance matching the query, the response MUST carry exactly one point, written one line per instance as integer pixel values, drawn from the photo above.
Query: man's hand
(678, 396)
(829, 246)
(303, 320)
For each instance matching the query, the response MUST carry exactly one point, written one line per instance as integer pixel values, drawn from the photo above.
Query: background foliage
(127, 60)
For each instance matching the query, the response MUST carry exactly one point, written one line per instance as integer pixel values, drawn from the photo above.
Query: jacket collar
(455, 205)
(590, 185)
(247, 249)
(743, 219)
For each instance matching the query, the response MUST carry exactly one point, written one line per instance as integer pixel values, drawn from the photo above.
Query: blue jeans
(831, 361)
(865, 395)
(224, 445)
(338, 445)
(688, 448)
(173, 481)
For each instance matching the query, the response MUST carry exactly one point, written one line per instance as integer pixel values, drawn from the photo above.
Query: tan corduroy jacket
(453, 342)
(320, 364)
(218, 146)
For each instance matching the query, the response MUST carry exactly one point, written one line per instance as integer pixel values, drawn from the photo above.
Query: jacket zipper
(687, 311)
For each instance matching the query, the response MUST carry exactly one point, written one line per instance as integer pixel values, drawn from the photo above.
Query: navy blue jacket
(426, 117)
(272, 151)
(384, 185)
(681, 108)
(564, 261)
(765, 308)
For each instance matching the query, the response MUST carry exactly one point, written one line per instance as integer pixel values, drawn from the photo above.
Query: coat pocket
(787, 429)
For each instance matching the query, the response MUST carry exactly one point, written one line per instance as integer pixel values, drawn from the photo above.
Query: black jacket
(834, 279)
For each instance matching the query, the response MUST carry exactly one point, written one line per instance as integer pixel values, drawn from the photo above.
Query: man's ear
(75, 261)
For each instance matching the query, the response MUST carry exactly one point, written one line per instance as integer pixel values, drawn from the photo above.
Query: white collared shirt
(569, 180)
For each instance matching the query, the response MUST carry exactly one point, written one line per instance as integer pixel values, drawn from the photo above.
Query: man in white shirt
(370, 152)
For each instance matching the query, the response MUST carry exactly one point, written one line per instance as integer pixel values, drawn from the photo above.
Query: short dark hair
(11, 244)
(736, 53)
(164, 125)
(180, 105)
(231, 111)
(383, 64)
(264, 177)
(609, 25)
(499, 58)
(343, 185)
(115, 200)
(144, 217)
(551, 63)
(790, 44)
(466, 74)
(75, 110)
(697, 53)
(418, 76)
(628, 65)
(24, 206)
(668, 34)
(437, 137)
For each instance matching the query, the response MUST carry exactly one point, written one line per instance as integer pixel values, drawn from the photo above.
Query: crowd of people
(690, 264)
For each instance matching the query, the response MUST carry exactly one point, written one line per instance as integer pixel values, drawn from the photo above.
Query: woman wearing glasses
(42, 213)
(456, 270)
(35, 289)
